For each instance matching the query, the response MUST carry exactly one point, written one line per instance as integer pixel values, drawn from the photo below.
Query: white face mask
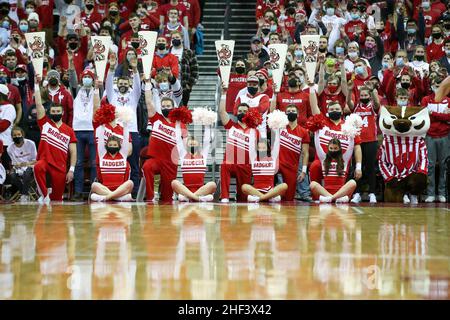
(353, 54)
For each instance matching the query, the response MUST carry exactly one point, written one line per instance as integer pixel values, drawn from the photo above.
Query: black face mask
(90, 6)
(161, 46)
(112, 150)
(135, 44)
(194, 149)
(380, 30)
(56, 117)
(405, 85)
(45, 65)
(240, 70)
(123, 89)
(252, 90)
(265, 31)
(335, 115)
(322, 50)
(18, 140)
(334, 154)
(114, 13)
(364, 100)
(68, 1)
(292, 83)
(261, 82)
(53, 81)
(65, 83)
(176, 42)
(419, 58)
(240, 116)
(292, 116)
(436, 35)
(165, 112)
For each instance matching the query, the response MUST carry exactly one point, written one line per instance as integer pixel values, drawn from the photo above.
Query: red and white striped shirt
(401, 156)
(291, 141)
(238, 141)
(163, 141)
(113, 171)
(263, 172)
(54, 145)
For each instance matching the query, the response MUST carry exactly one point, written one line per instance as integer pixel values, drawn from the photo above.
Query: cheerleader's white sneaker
(430, 199)
(251, 198)
(356, 198)
(182, 198)
(324, 199)
(343, 199)
(406, 199)
(442, 199)
(372, 198)
(275, 199)
(207, 198)
(225, 200)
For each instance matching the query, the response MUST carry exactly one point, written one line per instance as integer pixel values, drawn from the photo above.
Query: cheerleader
(335, 165)
(264, 168)
(193, 167)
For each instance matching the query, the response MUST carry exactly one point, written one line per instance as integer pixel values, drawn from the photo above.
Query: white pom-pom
(124, 115)
(352, 126)
(277, 120)
(203, 116)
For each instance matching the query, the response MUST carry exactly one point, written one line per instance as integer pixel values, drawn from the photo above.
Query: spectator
(164, 59)
(435, 50)
(166, 85)
(173, 4)
(188, 65)
(58, 94)
(23, 157)
(7, 118)
(257, 55)
(90, 17)
(13, 96)
(445, 61)
(173, 25)
(237, 82)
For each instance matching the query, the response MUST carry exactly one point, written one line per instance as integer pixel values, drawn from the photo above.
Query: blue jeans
(84, 138)
(133, 159)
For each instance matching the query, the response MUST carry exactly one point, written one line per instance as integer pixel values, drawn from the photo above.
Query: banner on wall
(36, 47)
(310, 47)
(101, 45)
(147, 40)
(224, 50)
(277, 54)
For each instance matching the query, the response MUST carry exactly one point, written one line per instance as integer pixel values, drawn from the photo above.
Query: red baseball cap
(88, 72)
(21, 66)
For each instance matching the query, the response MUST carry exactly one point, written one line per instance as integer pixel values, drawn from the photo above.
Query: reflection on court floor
(207, 251)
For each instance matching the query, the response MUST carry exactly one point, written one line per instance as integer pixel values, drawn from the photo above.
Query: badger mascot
(403, 159)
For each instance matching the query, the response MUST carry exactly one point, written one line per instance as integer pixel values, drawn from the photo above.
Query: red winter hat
(88, 72)
(264, 72)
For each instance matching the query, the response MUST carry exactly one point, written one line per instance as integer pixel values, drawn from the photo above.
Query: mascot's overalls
(403, 159)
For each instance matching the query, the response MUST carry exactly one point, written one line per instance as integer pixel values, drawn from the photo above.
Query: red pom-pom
(182, 114)
(105, 114)
(315, 122)
(252, 118)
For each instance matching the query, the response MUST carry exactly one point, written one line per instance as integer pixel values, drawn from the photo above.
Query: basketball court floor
(215, 251)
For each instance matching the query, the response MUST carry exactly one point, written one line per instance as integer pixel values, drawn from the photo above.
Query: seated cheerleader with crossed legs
(335, 169)
(193, 168)
(264, 168)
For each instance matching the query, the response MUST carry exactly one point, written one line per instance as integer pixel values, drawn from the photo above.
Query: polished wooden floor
(190, 251)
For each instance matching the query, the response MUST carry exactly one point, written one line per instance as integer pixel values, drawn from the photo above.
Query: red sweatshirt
(167, 60)
(440, 119)
(350, 30)
(78, 57)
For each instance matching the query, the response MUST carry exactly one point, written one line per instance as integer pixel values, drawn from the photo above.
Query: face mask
(419, 58)
(298, 53)
(334, 154)
(273, 28)
(370, 45)
(330, 11)
(87, 82)
(436, 36)
(240, 70)
(447, 52)
(385, 65)
(339, 50)
(302, 79)
(355, 16)
(56, 117)
(29, 10)
(90, 6)
(380, 30)
(165, 112)
(292, 83)
(261, 82)
(53, 82)
(114, 13)
(332, 88)
(411, 31)
(68, 1)
(426, 5)
(292, 116)
(265, 31)
(194, 149)
(240, 116)
(353, 54)
(112, 150)
(5, 24)
(123, 89)
(18, 140)
(23, 28)
(364, 100)
(334, 115)
(269, 73)
(402, 103)
(252, 90)
(405, 85)
(399, 62)
(359, 70)
(73, 45)
(20, 79)
(135, 44)
(164, 86)
(161, 46)
(176, 42)
(32, 24)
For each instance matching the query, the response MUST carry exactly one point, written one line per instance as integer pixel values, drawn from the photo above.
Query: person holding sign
(58, 141)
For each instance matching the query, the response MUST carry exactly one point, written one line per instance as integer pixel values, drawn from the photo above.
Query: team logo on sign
(37, 48)
(224, 55)
(274, 58)
(311, 51)
(99, 50)
(143, 45)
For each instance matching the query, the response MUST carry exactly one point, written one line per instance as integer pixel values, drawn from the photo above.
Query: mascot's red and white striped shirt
(402, 156)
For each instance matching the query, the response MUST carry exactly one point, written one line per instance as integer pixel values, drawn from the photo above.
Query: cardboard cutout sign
(310, 47)
(277, 54)
(36, 47)
(101, 46)
(147, 40)
(224, 50)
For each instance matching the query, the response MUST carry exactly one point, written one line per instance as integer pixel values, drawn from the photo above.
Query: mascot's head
(404, 121)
